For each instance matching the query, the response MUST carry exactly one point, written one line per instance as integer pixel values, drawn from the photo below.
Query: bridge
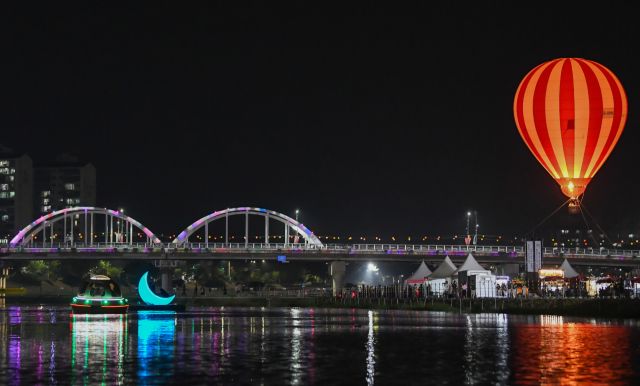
(307, 247)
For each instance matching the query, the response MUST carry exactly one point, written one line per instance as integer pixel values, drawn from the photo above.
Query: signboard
(551, 272)
(303, 284)
(529, 259)
(538, 255)
(502, 278)
(282, 258)
(415, 281)
(13, 291)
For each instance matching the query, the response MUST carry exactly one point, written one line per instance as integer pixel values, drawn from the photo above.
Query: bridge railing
(327, 248)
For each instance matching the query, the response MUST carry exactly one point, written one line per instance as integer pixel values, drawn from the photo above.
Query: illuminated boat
(99, 295)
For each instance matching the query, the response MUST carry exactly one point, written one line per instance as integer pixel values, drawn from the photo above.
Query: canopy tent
(470, 264)
(419, 275)
(446, 269)
(569, 272)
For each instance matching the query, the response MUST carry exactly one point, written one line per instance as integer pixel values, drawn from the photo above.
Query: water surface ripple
(293, 346)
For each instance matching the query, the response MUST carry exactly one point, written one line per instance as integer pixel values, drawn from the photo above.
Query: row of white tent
(442, 278)
(447, 269)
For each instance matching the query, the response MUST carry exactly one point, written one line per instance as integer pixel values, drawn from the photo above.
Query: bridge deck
(302, 252)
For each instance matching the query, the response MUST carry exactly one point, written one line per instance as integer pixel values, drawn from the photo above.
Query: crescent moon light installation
(148, 296)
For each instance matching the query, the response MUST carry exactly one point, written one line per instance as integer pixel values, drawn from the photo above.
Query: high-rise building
(16, 193)
(65, 183)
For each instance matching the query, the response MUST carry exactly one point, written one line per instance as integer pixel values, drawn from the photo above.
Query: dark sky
(373, 118)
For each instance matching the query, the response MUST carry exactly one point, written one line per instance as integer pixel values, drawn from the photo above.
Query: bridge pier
(167, 267)
(337, 270)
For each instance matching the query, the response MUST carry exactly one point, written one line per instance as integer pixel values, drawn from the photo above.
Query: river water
(282, 346)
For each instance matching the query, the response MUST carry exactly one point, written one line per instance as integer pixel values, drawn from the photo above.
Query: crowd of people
(238, 288)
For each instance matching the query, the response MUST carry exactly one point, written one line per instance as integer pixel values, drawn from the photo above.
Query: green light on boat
(75, 300)
(87, 302)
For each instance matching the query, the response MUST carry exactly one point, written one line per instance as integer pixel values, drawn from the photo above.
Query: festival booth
(500, 281)
(440, 279)
(480, 282)
(635, 286)
(552, 280)
(604, 286)
(419, 277)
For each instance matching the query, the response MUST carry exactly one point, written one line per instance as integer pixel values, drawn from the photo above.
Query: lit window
(45, 201)
(7, 194)
(46, 208)
(69, 200)
(5, 217)
(4, 163)
(76, 223)
(4, 170)
(69, 187)
(11, 178)
(46, 193)
(4, 186)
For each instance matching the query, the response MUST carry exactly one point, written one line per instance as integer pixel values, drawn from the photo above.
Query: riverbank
(592, 307)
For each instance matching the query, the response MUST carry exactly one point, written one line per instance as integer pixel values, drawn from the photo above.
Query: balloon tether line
(554, 212)
(587, 224)
(598, 225)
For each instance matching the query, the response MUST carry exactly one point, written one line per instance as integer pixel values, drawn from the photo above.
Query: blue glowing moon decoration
(148, 296)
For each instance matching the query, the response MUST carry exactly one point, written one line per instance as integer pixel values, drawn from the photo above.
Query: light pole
(468, 215)
(475, 239)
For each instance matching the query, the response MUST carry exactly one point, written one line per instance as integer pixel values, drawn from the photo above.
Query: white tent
(569, 272)
(446, 269)
(470, 264)
(419, 275)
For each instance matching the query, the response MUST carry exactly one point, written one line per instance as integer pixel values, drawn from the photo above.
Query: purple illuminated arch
(304, 231)
(26, 235)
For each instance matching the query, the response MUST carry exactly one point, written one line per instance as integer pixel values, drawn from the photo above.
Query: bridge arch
(309, 237)
(26, 234)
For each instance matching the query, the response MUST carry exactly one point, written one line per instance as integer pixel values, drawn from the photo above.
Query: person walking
(224, 289)
(237, 289)
(195, 290)
(202, 290)
(184, 290)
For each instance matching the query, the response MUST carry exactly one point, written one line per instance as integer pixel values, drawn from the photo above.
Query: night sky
(372, 118)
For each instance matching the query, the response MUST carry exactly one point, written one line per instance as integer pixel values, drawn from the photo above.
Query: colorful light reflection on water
(304, 347)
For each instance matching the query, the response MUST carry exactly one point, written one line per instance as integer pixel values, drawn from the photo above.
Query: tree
(38, 268)
(54, 269)
(105, 268)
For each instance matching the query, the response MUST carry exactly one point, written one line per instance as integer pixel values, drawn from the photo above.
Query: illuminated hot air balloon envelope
(570, 113)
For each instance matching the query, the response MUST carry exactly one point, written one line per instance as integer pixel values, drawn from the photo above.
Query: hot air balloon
(570, 113)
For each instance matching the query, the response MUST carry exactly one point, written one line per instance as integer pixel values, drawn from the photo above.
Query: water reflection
(371, 361)
(156, 336)
(557, 351)
(313, 347)
(98, 342)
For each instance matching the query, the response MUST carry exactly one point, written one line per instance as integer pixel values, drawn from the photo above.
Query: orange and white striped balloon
(571, 112)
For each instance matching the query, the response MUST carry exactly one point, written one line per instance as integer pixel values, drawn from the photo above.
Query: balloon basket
(574, 208)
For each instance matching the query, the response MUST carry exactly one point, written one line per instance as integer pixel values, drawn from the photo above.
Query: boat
(99, 295)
